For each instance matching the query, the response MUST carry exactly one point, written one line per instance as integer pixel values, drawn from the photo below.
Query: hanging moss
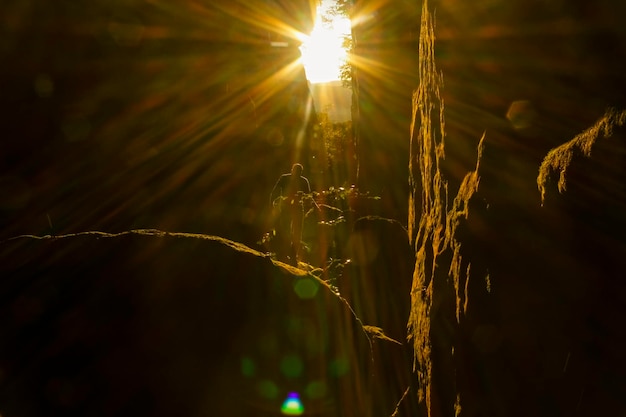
(559, 159)
(438, 252)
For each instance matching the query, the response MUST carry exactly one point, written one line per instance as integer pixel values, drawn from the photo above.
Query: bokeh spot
(248, 368)
(521, 114)
(316, 389)
(267, 389)
(291, 366)
(306, 288)
(43, 85)
(338, 367)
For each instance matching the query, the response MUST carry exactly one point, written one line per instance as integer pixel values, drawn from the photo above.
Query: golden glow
(323, 53)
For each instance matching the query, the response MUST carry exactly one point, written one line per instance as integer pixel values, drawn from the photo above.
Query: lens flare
(323, 50)
(316, 390)
(339, 367)
(292, 405)
(248, 367)
(267, 389)
(305, 288)
(291, 366)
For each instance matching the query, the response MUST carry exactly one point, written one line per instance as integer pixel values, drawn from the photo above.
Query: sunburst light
(323, 51)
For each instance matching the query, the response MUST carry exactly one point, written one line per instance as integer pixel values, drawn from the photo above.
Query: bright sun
(322, 51)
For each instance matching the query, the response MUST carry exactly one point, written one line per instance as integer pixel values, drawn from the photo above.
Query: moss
(438, 252)
(559, 159)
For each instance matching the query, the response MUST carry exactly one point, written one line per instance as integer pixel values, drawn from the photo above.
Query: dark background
(144, 114)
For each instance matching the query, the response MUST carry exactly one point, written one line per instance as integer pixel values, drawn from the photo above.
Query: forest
(462, 250)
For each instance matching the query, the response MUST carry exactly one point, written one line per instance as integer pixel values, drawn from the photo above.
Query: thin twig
(397, 410)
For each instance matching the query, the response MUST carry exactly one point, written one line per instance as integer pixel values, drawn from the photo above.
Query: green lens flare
(315, 389)
(267, 389)
(292, 405)
(339, 367)
(306, 288)
(248, 367)
(291, 366)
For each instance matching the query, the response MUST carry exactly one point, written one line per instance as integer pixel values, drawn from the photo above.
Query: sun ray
(323, 51)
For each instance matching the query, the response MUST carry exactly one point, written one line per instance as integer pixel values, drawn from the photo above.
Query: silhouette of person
(287, 198)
